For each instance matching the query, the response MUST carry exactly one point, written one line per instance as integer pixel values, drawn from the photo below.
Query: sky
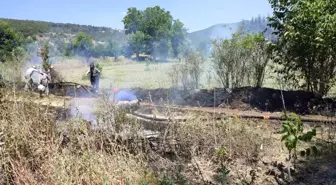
(195, 14)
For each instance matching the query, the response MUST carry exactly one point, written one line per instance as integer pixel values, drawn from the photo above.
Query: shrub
(188, 71)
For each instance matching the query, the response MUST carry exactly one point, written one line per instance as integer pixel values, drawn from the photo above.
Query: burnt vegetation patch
(245, 98)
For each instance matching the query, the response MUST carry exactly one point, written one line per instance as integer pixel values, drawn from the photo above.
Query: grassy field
(123, 74)
(126, 74)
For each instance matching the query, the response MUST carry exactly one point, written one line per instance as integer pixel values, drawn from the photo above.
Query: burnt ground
(245, 98)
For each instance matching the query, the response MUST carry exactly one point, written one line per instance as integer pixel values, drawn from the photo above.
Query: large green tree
(161, 34)
(132, 20)
(306, 41)
(9, 42)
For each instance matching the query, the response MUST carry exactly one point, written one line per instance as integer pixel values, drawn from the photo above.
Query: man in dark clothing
(94, 75)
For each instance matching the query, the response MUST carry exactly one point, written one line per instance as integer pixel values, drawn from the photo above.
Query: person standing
(94, 75)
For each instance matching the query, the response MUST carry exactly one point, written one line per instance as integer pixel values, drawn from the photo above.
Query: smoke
(83, 108)
(162, 49)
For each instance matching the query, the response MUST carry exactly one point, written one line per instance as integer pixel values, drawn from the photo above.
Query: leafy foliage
(241, 60)
(154, 32)
(306, 41)
(293, 133)
(188, 71)
(222, 175)
(166, 181)
(137, 43)
(45, 56)
(9, 42)
(29, 28)
(82, 44)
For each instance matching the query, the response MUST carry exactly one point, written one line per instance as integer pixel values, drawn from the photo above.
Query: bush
(188, 71)
(240, 61)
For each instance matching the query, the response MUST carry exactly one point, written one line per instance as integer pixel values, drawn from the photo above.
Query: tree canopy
(306, 41)
(154, 32)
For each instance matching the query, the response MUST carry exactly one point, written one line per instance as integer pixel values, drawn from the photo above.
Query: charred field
(242, 99)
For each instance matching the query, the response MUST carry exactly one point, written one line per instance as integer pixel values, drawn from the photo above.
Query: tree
(241, 60)
(132, 20)
(9, 42)
(188, 71)
(137, 43)
(256, 47)
(82, 44)
(155, 25)
(306, 41)
(44, 53)
(114, 48)
(230, 61)
(178, 37)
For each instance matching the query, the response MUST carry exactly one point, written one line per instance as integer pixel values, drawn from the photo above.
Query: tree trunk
(137, 56)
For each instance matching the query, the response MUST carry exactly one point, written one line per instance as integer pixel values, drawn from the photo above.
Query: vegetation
(9, 42)
(240, 61)
(37, 150)
(36, 147)
(45, 56)
(82, 45)
(292, 134)
(32, 29)
(154, 32)
(202, 39)
(306, 42)
(188, 72)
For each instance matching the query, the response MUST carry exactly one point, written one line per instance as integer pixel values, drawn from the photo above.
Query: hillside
(225, 31)
(60, 34)
(40, 28)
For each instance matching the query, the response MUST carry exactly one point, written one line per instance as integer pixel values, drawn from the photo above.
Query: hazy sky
(195, 14)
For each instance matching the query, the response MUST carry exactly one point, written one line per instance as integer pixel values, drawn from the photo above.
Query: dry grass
(34, 151)
(38, 149)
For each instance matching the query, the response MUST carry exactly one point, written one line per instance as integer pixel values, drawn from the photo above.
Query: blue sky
(195, 14)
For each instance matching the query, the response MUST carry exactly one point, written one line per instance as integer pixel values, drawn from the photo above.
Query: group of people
(41, 80)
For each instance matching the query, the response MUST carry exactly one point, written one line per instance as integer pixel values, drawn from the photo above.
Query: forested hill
(61, 35)
(38, 28)
(225, 31)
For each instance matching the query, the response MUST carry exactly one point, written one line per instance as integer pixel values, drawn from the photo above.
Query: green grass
(121, 74)
(127, 74)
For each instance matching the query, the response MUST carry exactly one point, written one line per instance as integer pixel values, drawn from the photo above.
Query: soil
(242, 99)
(246, 98)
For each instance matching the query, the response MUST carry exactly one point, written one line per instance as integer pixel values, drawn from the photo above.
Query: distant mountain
(225, 31)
